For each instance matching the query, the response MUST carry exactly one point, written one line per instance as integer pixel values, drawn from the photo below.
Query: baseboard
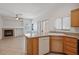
(58, 52)
(51, 52)
(46, 53)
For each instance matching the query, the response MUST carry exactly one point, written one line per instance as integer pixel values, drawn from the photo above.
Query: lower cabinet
(61, 44)
(56, 44)
(32, 46)
(37, 46)
(71, 46)
(43, 45)
(29, 47)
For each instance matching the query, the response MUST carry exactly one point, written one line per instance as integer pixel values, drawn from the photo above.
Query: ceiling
(28, 10)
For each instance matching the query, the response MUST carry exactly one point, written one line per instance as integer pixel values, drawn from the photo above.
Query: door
(42, 27)
(43, 45)
(45, 27)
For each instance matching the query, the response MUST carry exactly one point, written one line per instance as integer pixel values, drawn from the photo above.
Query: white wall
(1, 25)
(9, 22)
(62, 11)
(1, 22)
(18, 32)
(14, 45)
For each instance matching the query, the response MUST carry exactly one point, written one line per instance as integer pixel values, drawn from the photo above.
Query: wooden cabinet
(32, 46)
(56, 44)
(61, 44)
(29, 47)
(37, 46)
(70, 46)
(75, 18)
(43, 45)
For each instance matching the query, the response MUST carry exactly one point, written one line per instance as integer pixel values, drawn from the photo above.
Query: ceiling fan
(19, 17)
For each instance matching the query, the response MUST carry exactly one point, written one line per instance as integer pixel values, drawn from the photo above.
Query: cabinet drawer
(71, 44)
(71, 40)
(70, 49)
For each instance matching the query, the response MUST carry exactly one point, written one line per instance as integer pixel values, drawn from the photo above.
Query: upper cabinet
(75, 18)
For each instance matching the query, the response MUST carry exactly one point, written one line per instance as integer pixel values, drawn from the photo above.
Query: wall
(1, 25)
(9, 22)
(18, 32)
(61, 11)
(15, 45)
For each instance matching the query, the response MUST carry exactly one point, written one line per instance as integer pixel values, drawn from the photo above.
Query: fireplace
(8, 32)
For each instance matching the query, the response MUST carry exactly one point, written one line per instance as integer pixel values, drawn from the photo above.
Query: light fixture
(17, 18)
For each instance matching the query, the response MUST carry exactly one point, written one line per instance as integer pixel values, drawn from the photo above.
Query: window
(63, 23)
(66, 23)
(43, 27)
(34, 29)
(58, 23)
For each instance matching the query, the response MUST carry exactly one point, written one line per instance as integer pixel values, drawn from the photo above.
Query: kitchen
(39, 29)
(61, 39)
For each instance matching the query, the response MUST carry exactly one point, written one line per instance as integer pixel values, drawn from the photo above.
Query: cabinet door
(75, 18)
(56, 44)
(35, 46)
(43, 45)
(70, 46)
(32, 46)
(29, 47)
